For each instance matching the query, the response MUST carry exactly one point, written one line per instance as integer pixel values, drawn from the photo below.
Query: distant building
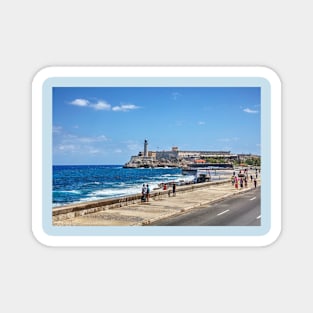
(176, 156)
(199, 161)
(205, 154)
(152, 154)
(168, 155)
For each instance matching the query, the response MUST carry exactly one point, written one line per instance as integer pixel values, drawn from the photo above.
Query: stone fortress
(179, 158)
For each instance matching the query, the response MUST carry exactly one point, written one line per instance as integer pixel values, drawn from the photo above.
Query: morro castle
(178, 158)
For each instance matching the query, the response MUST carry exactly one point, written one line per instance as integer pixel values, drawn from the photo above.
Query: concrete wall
(70, 211)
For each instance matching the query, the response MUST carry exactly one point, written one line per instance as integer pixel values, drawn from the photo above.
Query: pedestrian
(246, 182)
(254, 182)
(251, 177)
(241, 182)
(236, 182)
(147, 193)
(143, 193)
(174, 190)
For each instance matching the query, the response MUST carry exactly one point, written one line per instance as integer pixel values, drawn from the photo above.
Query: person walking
(174, 190)
(147, 193)
(254, 182)
(236, 182)
(143, 193)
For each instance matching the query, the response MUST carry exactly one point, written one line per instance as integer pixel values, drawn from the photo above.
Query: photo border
(140, 76)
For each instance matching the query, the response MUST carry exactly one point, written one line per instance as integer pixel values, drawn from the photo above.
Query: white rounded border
(157, 241)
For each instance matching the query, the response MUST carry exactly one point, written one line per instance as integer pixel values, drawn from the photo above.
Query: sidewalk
(145, 213)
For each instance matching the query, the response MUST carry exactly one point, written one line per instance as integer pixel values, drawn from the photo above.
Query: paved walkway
(145, 213)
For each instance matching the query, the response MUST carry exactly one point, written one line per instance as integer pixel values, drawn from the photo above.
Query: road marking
(253, 198)
(223, 212)
(258, 217)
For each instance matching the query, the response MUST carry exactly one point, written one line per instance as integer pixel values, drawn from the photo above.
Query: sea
(81, 183)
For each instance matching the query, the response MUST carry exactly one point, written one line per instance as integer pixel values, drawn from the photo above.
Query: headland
(185, 159)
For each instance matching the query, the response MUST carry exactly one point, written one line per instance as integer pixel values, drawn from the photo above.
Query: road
(240, 210)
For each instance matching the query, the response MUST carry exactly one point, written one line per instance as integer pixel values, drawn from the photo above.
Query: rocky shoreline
(141, 162)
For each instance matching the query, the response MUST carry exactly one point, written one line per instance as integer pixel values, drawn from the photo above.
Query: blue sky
(108, 125)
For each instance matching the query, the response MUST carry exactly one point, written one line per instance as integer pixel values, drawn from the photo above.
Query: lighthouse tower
(145, 149)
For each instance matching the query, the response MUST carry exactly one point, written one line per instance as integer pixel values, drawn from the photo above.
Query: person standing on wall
(143, 193)
(147, 193)
(174, 189)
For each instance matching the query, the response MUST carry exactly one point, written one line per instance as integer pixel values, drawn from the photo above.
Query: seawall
(80, 209)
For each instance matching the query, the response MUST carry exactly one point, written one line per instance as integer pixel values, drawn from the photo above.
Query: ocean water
(81, 183)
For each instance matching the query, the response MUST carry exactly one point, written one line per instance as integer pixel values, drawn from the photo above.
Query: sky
(107, 125)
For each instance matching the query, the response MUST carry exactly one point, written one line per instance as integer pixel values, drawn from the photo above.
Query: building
(176, 157)
(176, 154)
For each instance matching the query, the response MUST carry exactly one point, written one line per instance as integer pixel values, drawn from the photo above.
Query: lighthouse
(145, 149)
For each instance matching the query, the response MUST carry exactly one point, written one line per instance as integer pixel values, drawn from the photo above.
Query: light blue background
(157, 82)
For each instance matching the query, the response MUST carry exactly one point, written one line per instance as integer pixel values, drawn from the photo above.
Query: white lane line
(253, 198)
(258, 217)
(223, 212)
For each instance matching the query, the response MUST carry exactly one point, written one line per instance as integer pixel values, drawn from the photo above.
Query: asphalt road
(240, 210)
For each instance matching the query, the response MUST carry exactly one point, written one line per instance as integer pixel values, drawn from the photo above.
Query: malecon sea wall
(80, 209)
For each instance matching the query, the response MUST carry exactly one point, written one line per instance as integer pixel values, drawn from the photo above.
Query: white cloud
(247, 110)
(67, 143)
(101, 105)
(201, 123)
(125, 107)
(80, 102)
